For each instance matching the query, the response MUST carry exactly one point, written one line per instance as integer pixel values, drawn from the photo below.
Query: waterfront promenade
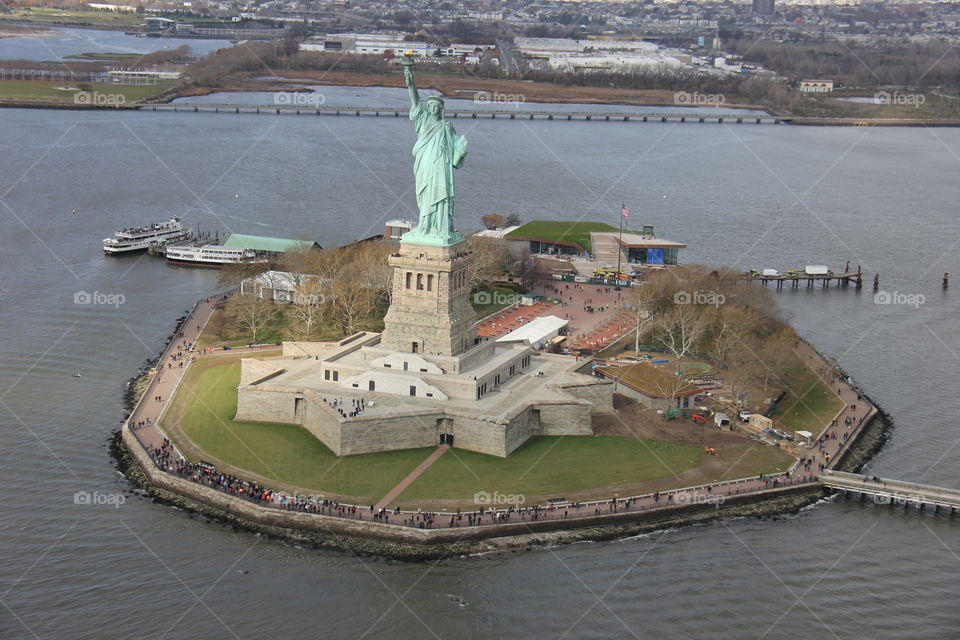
(826, 450)
(171, 367)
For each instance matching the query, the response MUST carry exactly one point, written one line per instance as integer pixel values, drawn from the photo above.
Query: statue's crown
(437, 98)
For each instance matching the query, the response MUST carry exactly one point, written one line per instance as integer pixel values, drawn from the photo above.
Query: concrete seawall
(378, 538)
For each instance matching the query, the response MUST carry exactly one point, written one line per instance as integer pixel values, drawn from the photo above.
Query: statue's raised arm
(407, 62)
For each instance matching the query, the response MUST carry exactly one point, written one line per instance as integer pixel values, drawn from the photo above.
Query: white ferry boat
(140, 238)
(211, 255)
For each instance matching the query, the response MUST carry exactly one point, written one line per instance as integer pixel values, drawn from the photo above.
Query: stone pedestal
(430, 312)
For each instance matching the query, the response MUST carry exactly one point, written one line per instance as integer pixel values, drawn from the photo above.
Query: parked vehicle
(771, 272)
(817, 270)
(722, 420)
(745, 416)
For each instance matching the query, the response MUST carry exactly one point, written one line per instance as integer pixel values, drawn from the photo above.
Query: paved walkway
(835, 434)
(413, 475)
(169, 372)
(832, 439)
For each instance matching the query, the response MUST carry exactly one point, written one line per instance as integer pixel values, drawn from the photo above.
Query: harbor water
(742, 196)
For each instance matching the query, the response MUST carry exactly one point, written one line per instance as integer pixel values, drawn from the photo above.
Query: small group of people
(358, 406)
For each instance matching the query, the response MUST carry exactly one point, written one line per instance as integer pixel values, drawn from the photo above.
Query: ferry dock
(795, 278)
(159, 249)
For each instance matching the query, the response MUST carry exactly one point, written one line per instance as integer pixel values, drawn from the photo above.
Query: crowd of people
(167, 459)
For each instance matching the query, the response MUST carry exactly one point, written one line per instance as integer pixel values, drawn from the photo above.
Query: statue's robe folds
(438, 151)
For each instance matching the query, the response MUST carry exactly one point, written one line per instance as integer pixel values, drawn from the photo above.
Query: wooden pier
(810, 280)
(893, 492)
(720, 118)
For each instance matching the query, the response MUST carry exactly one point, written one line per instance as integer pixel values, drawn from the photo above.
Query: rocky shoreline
(137, 385)
(870, 441)
(761, 508)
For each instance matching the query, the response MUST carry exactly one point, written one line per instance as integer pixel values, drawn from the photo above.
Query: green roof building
(263, 243)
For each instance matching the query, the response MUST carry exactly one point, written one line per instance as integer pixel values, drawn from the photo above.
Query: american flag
(624, 211)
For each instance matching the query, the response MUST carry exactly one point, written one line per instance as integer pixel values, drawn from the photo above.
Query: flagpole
(620, 244)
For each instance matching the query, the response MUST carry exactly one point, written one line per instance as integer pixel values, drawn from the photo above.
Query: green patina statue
(438, 151)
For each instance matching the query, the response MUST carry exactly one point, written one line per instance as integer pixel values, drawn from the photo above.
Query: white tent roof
(536, 330)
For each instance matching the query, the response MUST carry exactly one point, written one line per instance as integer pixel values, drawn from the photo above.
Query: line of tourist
(167, 459)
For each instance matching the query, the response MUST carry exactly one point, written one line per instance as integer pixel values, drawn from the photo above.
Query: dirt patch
(633, 419)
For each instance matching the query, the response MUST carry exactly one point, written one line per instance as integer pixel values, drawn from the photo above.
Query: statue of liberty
(438, 151)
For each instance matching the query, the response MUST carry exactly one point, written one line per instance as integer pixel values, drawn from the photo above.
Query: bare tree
(681, 328)
(251, 313)
(297, 260)
(489, 256)
(231, 275)
(643, 313)
(351, 301)
(308, 309)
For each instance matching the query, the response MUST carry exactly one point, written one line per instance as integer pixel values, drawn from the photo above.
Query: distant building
(496, 233)
(278, 286)
(251, 30)
(150, 77)
(763, 7)
(816, 86)
(368, 43)
(598, 240)
(396, 228)
(265, 245)
(158, 24)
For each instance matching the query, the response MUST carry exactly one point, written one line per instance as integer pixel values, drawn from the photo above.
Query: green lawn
(45, 91)
(695, 367)
(493, 299)
(813, 409)
(203, 411)
(575, 232)
(200, 421)
(550, 466)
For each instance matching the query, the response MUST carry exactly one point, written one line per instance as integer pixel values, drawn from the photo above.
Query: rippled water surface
(743, 195)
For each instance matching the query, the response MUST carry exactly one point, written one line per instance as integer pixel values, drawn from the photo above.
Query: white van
(771, 272)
